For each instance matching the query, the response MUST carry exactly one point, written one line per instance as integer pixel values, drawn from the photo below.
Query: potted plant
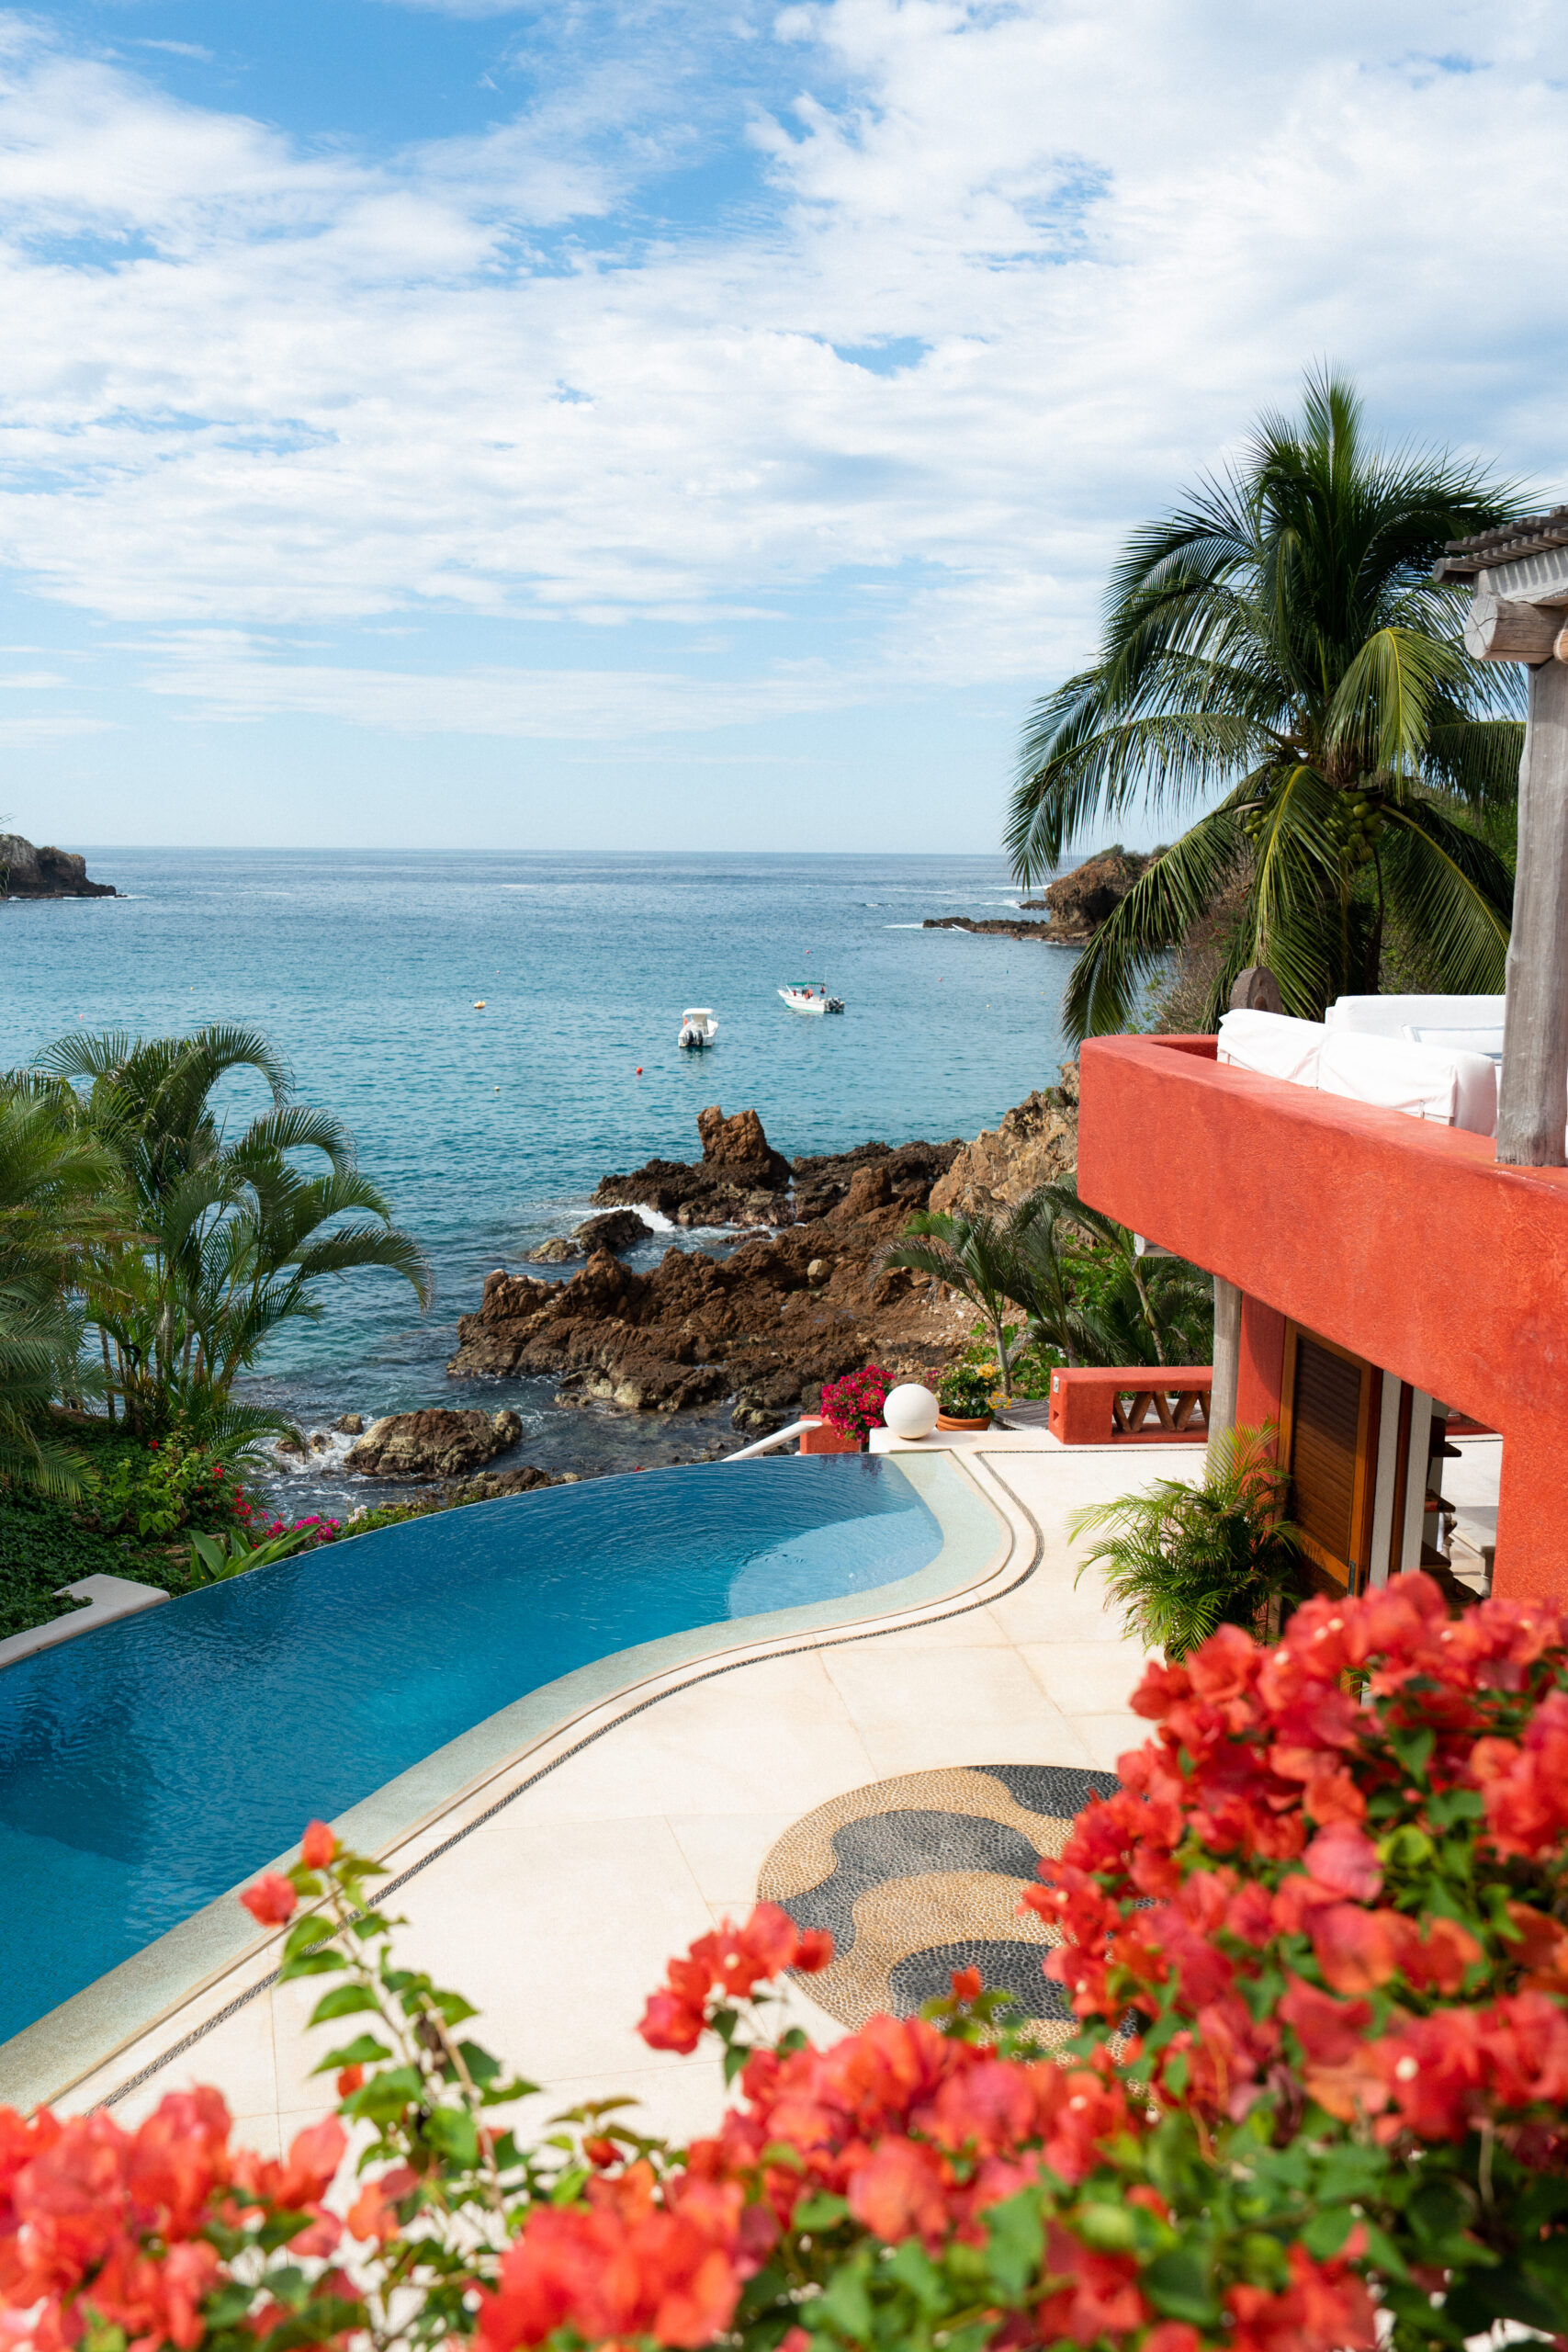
(1179, 1560)
(963, 1397)
(852, 1407)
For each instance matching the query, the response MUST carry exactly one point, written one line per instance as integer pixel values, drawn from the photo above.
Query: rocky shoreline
(711, 1348)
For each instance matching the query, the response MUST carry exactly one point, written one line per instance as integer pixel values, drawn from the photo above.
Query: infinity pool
(147, 1767)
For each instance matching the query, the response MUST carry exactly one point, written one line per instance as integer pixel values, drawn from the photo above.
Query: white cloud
(231, 681)
(179, 48)
(251, 382)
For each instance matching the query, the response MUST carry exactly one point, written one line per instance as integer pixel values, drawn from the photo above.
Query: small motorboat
(803, 997)
(698, 1029)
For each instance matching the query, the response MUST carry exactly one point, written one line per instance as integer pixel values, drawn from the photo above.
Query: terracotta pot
(956, 1421)
(825, 1438)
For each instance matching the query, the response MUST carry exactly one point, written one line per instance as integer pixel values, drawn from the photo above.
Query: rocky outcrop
(741, 1178)
(1080, 902)
(30, 873)
(435, 1444)
(1036, 1144)
(1075, 904)
(786, 1310)
(997, 926)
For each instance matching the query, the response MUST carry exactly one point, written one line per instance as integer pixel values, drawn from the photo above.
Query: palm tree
(1280, 640)
(975, 1256)
(232, 1239)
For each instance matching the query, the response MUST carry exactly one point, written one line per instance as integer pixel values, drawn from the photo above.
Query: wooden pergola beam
(1520, 580)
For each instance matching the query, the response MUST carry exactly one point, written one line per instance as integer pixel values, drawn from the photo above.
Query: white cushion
(1464, 1041)
(1272, 1045)
(1387, 1016)
(1453, 1088)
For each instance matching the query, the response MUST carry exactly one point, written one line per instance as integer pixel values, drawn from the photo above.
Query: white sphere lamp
(910, 1411)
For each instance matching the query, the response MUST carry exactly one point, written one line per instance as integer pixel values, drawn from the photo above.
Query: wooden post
(1499, 630)
(1532, 1110)
(1227, 1358)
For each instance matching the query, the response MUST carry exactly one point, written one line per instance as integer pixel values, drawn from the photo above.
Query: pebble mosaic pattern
(920, 1875)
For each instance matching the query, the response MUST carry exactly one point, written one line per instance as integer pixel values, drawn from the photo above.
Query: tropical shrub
(1092, 1296)
(1316, 1948)
(1180, 1559)
(156, 1487)
(974, 1255)
(216, 1558)
(855, 1403)
(54, 1224)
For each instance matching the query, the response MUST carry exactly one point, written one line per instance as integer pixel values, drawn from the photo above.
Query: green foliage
(1179, 1560)
(1279, 642)
(223, 1237)
(46, 1543)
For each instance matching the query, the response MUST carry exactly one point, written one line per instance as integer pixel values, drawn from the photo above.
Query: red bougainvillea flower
(318, 1847)
(272, 1901)
(731, 1964)
(624, 2265)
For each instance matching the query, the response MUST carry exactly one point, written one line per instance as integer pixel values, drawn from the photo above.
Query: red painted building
(1387, 1269)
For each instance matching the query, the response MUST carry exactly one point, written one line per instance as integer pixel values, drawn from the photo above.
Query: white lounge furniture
(1382, 1065)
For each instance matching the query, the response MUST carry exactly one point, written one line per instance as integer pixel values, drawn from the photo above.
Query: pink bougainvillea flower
(318, 1847)
(272, 1901)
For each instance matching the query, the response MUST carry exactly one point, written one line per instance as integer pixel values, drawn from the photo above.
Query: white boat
(698, 1029)
(803, 997)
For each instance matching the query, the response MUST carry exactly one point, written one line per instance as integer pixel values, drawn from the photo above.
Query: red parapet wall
(1403, 1241)
(1131, 1405)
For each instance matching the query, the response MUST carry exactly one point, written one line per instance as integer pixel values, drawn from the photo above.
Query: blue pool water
(147, 1767)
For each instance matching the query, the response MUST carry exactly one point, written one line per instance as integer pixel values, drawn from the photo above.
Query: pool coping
(987, 1547)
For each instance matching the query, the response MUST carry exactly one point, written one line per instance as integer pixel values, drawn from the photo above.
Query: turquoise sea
(489, 1129)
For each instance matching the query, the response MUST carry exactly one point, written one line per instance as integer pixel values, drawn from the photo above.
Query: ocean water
(488, 1129)
(148, 1767)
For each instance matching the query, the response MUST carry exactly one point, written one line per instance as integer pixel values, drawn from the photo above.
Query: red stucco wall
(1403, 1241)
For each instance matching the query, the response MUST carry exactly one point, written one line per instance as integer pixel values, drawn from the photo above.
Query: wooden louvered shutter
(1327, 1435)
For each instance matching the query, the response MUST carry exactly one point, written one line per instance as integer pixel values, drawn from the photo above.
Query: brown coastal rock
(1080, 902)
(741, 1178)
(435, 1444)
(1037, 1143)
(786, 1310)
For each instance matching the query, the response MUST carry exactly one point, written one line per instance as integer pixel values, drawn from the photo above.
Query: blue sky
(633, 422)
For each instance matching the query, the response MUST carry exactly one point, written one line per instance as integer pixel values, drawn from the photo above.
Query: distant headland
(30, 873)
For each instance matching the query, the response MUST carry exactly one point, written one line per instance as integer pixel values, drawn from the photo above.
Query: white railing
(779, 1437)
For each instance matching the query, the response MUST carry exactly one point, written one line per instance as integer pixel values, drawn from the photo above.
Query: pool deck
(553, 1894)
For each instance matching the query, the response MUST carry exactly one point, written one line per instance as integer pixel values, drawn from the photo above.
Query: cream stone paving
(556, 1913)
